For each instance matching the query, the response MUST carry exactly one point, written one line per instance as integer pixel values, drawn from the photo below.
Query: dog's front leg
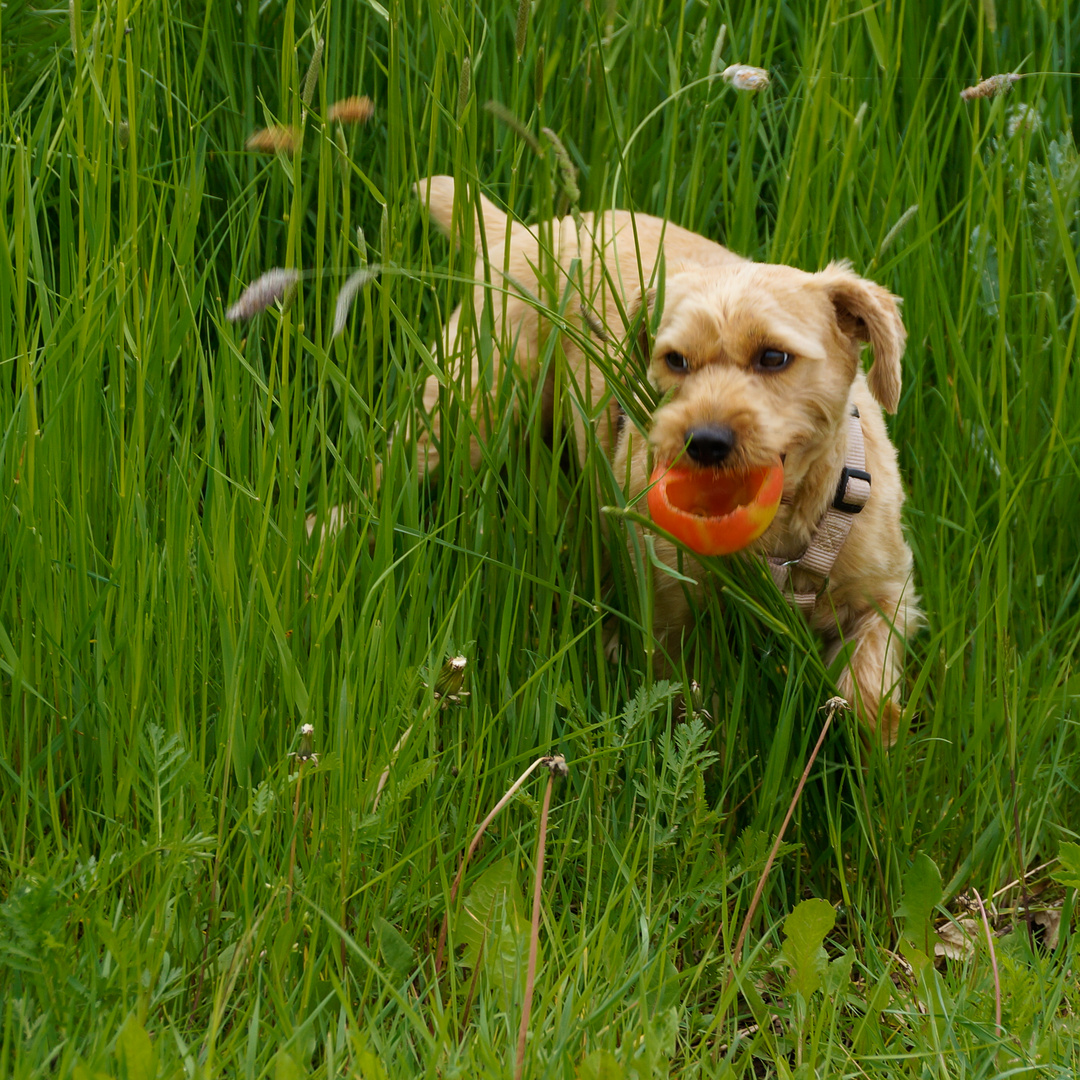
(871, 678)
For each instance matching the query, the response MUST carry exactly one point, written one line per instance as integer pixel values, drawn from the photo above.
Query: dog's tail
(437, 193)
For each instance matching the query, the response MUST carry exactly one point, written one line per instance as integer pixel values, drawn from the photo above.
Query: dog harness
(852, 493)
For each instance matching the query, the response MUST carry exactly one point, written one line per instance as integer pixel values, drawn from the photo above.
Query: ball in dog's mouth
(716, 511)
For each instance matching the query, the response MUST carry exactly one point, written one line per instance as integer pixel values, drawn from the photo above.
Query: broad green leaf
(285, 1067)
(135, 1051)
(922, 893)
(396, 951)
(81, 1072)
(805, 929)
(869, 1027)
(600, 1065)
(662, 990)
(369, 1066)
(493, 889)
(506, 954)
(1068, 872)
(491, 921)
(664, 1030)
(838, 974)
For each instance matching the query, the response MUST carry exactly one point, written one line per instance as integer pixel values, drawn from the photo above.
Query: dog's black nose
(709, 445)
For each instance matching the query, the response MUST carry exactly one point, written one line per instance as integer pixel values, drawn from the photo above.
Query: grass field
(180, 893)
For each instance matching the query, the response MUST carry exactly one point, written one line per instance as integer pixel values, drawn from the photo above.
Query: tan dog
(754, 361)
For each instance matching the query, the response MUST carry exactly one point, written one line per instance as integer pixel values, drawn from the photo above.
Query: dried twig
(494, 813)
(557, 766)
(304, 754)
(1021, 880)
(993, 963)
(833, 704)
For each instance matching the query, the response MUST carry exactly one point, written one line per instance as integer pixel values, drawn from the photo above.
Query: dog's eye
(677, 362)
(773, 360)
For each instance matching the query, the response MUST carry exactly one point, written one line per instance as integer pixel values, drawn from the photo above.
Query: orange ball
(715, 511)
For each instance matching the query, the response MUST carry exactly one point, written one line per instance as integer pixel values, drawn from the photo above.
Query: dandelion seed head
(744, 77)
(556, 763)
(307, 744)
(352, 110)
(1022, 119)
(451, 678)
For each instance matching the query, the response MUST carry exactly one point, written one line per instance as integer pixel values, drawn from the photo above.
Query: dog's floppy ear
(867, 312)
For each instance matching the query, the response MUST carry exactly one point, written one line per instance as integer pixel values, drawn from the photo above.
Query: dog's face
(758, 360)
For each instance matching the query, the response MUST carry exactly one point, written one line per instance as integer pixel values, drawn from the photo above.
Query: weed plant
(181, 892)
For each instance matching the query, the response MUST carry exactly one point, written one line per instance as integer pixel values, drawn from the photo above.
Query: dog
(750, 362)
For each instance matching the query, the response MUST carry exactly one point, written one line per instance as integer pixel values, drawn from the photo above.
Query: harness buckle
(840, 502)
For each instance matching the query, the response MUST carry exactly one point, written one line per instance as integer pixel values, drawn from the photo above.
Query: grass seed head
(464, 86)
(503, 114)
(522, 29)
(352, 286)
(312, 76)
(744, 77)
(992, 87)
(567, 172)
(262, 292)
(352, 110)
(277, 139)
(717, 50)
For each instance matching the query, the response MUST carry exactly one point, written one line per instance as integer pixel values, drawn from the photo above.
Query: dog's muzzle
(710, 444)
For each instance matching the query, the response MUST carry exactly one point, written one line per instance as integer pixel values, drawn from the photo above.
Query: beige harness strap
(852, 493)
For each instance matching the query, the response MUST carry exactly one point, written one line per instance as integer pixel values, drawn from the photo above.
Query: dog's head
(758, 360)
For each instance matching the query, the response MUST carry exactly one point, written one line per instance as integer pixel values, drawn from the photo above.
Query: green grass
(176, 895)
